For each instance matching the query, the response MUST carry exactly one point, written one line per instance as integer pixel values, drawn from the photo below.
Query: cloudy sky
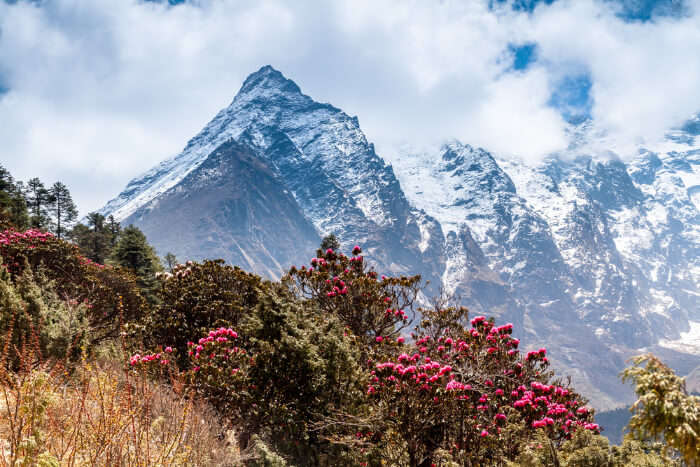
(94, 92)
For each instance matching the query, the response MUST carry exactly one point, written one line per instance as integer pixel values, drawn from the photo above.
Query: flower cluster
(549, 405)
(13, 243)
(215, 359)
(32, 235)
(217, 336)
(475, 379)
(369, 306)
(88, 262)
(29, 240)
(159, 357)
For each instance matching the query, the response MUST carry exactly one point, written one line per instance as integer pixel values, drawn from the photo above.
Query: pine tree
(63, 209)
(12, 205)
(133, 252)
(330, 241)
(113, 229)
(38, 201)
(96, 221)
(170, 261)
(94, 239)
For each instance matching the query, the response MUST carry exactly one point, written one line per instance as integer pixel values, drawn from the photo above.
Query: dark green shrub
(284, 370)
(109, 295)
(33, 315)
(196, 298)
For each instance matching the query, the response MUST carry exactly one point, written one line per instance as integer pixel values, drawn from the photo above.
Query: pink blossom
(477, 320)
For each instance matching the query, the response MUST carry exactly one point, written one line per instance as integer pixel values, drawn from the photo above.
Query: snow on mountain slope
(465, 189)
(586, 240)
(591, 256)
(321, 156)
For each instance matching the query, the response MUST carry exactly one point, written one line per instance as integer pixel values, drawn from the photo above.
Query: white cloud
(102, 90)
(645, 75)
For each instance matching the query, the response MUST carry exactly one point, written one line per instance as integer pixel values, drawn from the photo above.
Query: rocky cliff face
(593, 257)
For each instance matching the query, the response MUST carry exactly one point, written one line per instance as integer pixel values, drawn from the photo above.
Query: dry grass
(103, 414)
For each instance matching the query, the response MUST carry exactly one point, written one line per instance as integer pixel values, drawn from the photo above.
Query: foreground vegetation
(206, 364)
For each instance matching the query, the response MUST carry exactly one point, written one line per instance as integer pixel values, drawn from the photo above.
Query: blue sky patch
(628, 10)
(523, 55)
(572, 97)
(521, 5)
(646, 10)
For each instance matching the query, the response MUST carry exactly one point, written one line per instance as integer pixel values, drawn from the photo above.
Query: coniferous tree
(38, 201)
(330, 241)
(12, 204)
(133, 252)
(113, 229)
(96, 221)
(100, 238)
(94, 239)
(63, 209)
(170, 261)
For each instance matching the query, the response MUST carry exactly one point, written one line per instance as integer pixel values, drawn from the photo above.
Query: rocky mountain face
(327, 176)
(596, 258)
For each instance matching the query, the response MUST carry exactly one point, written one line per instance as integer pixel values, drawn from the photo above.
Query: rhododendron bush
(63, 293)
(324, 364)
(372, 307)
(197, 297)
(280, 369)
(470, 392)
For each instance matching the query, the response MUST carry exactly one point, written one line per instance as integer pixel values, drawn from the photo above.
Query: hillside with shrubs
(112, 356)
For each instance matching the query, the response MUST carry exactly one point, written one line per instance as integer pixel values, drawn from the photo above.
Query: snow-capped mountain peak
(266, 82)
(591, 255)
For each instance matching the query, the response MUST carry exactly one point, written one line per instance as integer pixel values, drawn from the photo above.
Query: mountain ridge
(551, 247)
